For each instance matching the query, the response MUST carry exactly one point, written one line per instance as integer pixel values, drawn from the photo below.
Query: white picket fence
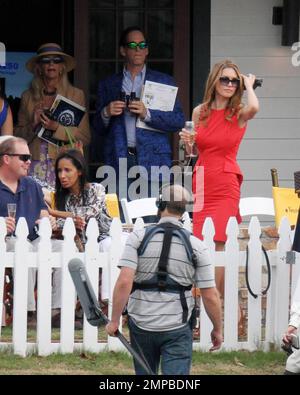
(258, 336)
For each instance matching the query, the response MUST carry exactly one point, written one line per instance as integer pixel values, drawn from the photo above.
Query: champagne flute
(189, 127)
(81, 211)
(11, 212)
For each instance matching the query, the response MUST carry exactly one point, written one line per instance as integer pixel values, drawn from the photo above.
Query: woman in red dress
(220, 124)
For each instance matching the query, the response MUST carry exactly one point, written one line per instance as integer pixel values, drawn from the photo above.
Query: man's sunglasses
(48, 60)
(22, 157)
(134, 45)
(235, 82)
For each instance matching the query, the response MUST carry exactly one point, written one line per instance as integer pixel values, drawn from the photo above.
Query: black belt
(131, 150)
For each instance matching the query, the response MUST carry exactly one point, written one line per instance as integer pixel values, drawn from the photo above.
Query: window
(98, 25)
(108, 18)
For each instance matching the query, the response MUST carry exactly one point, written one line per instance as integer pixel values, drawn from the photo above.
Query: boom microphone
(89, 303)
(92, 310)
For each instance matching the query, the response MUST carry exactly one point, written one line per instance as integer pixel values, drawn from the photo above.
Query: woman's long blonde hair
(37, 84)
(234, 104)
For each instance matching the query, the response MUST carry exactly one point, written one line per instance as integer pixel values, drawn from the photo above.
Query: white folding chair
(145, 207)
(257, 206)
(138, 208)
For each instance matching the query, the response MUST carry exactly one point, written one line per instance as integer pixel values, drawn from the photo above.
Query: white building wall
(242, 30)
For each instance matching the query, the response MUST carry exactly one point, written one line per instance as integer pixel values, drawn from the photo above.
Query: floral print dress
(44, 168)
(94, 198)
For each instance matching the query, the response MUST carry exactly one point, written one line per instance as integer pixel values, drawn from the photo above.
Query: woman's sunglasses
(134, 45)
(48, 60)
(225, 81)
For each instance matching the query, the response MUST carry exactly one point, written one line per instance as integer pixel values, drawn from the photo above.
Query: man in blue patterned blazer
(117, 112)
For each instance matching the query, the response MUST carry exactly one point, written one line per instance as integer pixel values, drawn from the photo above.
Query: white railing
(258, 336)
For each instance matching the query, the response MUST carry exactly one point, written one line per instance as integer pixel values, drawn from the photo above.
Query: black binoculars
(257, 82)
(48, 113)
(128, 98)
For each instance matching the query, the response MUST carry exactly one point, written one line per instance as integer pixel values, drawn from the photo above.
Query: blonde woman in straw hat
(50, 68)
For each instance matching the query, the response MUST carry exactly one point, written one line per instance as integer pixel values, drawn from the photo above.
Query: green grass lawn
(105, 363)
(111, 363)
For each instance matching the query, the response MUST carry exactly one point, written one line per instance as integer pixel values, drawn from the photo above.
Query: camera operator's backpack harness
(161, 280)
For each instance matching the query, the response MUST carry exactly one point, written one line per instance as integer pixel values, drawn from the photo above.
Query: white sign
(17, 78)
(157, 96)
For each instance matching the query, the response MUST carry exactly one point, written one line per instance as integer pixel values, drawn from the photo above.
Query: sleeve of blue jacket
(167, 121)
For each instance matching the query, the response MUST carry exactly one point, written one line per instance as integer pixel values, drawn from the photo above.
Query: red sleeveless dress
(217, 177)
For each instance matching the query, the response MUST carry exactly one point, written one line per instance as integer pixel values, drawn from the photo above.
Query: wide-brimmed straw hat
(51, 49)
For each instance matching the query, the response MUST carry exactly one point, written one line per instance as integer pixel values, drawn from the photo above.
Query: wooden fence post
(93, 260)
(67, 289)
(231, 305)
(205, 323)
(255, 281)
(113, 343)
(283, 280)
(21, 265)
(44, 276)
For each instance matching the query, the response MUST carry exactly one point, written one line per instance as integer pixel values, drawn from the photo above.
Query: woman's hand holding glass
(80, 220)
(187, 134)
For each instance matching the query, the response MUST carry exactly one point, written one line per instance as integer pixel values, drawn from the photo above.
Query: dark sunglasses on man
(22, 157)
(134, 45)
(51, 59)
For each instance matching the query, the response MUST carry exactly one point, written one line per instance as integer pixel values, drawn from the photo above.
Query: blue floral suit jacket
(153, 148)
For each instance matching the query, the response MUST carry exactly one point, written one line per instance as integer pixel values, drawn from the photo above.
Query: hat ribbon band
(49, 49)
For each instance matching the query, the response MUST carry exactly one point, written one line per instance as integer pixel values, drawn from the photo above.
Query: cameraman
(293, 361)
(159, 319)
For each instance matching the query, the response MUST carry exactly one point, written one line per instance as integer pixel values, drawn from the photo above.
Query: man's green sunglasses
(134, 45)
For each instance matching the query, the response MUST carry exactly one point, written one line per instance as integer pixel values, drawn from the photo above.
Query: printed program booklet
(157, 96)
(64, 111)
